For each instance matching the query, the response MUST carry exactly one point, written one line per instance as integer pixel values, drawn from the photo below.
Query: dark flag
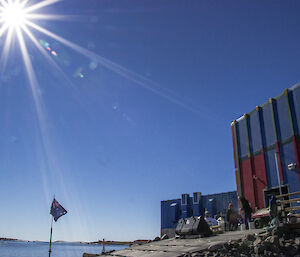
(57, 210)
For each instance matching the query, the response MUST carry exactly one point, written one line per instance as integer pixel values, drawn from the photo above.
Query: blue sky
(151, 125)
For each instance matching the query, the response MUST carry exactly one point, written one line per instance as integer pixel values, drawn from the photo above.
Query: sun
(12, 14)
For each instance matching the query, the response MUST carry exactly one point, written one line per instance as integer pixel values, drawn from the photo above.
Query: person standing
(273, 207)
(231, 217)
(247, 211)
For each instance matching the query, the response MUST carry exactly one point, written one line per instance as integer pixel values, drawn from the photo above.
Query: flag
(57, 210)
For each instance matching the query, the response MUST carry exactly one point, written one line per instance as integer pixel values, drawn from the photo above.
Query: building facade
(187, 206)
(267, 148)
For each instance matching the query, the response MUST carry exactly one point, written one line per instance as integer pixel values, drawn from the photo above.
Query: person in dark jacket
(273, 206)
(247, 211)
(231, 217)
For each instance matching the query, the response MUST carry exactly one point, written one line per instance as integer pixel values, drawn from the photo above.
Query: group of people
(233, 218)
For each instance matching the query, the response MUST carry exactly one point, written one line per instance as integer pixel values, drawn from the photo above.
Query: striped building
(266, 145)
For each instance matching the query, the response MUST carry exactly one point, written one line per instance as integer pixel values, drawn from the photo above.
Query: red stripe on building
(297, 153)
(247, 181)
(260, 178)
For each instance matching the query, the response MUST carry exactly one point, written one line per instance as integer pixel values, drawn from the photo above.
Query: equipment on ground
(193, 226)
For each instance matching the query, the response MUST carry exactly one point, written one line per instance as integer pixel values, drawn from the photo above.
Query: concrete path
(177, 247)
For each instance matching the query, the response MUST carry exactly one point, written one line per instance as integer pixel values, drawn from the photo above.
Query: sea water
(40, 249)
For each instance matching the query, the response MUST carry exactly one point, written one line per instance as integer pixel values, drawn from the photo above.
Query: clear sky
(142, 116)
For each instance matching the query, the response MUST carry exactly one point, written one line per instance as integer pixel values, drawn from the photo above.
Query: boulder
(165, 236)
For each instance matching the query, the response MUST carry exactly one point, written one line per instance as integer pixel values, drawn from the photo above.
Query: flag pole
(51, 231)
(50, 237)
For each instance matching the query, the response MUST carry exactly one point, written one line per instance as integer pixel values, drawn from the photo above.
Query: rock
(244, 246)
(259, 249)
(274, 248)
(156, 239)
(273, 239)
(196, 255)
(297, 241)
(257, 241)
(249, 238)
(281, 242)
(165, 236)
(233, 249)
(270, 242)
(215, 247)
(278, 231)
(292, 250)
(226, 246)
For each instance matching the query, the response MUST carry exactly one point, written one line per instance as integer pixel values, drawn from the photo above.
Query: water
(40, 249)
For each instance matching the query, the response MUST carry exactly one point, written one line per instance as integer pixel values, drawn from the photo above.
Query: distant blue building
(173, 210)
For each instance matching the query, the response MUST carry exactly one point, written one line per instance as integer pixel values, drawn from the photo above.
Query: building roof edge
(296, 85)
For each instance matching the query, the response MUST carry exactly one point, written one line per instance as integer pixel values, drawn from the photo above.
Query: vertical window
(284, 123)
(184, 199)
(195, 198)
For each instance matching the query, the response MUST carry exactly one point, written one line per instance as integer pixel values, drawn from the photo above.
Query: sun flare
(12, 14)
(16, 16)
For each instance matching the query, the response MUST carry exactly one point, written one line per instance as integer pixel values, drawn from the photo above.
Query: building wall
(219, 202)
(170, 213)
(168, 231)
(173, 210)
(269, 132)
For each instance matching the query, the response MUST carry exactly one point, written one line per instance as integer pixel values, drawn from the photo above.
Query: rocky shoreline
(8, 239)
(281, 242)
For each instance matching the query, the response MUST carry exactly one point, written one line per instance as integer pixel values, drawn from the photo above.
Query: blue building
(187, 206)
